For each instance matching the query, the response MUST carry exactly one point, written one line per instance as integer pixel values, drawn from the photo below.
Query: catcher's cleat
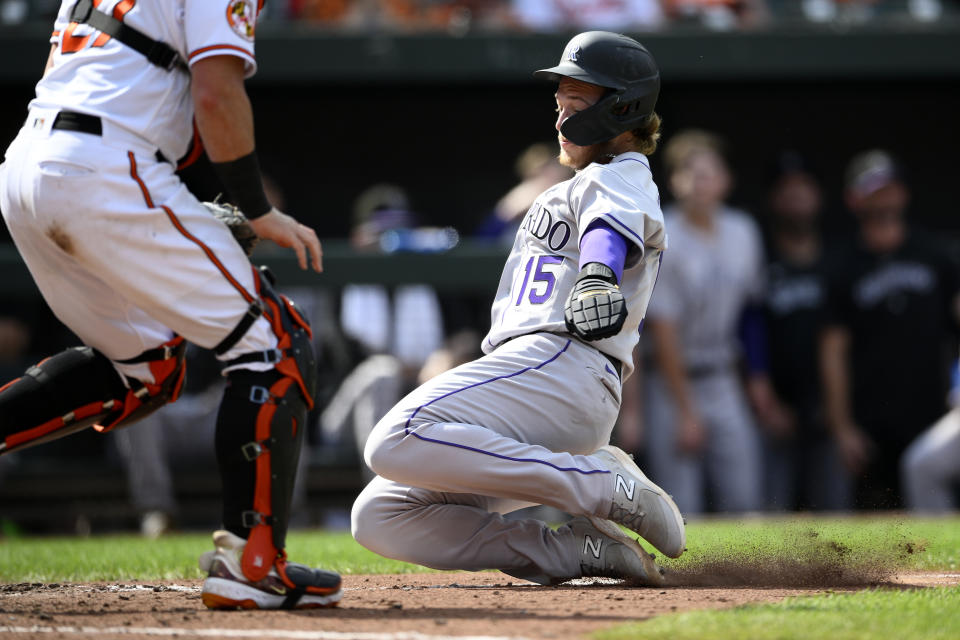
(606, 551)
(642, 506)
(287, 586)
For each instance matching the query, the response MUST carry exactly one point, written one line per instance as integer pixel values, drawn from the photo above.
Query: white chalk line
(240, 633)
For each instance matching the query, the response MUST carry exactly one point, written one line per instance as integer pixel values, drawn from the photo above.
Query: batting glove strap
(595, 308)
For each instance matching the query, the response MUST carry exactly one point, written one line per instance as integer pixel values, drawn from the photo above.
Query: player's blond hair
(647, 136)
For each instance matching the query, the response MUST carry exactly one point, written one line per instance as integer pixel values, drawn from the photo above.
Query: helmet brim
(570, 70)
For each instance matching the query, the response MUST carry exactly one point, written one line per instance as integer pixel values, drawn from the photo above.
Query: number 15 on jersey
(540, 273)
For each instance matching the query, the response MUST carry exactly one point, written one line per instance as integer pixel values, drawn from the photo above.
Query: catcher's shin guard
(260, 429)
(78, 388)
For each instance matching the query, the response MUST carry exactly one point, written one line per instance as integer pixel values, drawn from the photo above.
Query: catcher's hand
(238, 224)
(288, 233)
(595, 308)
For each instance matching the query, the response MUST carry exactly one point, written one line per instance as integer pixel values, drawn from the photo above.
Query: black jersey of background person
(903, 331)
(795, 297)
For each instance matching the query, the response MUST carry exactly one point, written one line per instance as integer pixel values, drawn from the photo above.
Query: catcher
(131, 261)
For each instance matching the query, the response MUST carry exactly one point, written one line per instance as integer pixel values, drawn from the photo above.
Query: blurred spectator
(398, 329)
(861, 11)
(576, 15)
(802, 466)
(930, 467)
(892, 314)
(538, 168)
(700, 436)
(463, 346)
(454, 16)
(721, 15)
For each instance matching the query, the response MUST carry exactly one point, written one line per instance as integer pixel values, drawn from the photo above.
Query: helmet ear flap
(604, 120)
(592, 125)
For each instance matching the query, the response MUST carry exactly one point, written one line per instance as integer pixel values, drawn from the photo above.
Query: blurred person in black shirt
(802, 465)
(886, 346)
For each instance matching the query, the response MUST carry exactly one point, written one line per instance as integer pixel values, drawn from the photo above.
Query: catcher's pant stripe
(189, 236)
(490, 453)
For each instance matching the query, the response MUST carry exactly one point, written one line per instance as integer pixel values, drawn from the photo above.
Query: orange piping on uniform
(189, 236)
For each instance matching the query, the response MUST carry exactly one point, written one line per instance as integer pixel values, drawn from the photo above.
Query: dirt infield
(391, 607)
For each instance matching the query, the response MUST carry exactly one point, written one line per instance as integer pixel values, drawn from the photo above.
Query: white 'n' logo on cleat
(622, 485)
(588, 543)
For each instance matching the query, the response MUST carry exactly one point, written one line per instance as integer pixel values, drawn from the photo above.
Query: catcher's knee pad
(293, 355)
(78, 388)
(260, 429)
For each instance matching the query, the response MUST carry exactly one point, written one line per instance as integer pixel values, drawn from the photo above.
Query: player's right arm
(225, 121)
(691, 435)
(853, 445)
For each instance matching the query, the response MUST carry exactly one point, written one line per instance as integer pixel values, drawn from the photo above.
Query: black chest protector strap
(158, 53)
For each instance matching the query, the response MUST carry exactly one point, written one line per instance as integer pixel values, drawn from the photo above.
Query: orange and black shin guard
(260, 429)
(78, 388)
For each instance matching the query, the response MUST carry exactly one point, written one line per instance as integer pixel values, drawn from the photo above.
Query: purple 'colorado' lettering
(541, 229)
(551, 239)
(540, 224)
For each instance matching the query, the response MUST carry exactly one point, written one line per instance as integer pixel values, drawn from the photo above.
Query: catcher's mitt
(237, 223)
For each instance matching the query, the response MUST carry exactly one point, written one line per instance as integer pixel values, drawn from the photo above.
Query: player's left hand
(595, 308)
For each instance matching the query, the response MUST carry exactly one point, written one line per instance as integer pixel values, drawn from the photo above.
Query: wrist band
(598, 270)
(241, 178)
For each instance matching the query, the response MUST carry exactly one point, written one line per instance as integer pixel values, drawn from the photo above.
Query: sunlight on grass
(918, 614)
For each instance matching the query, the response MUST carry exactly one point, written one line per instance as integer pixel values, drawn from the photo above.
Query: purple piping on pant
(490, 453)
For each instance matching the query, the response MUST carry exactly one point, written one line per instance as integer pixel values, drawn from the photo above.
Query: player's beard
(600, 153)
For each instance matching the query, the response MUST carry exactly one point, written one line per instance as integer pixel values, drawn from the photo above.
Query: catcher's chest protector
(78, 388)
(260, 430)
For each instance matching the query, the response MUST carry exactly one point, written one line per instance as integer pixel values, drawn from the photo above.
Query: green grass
(129, 557)
(901, 543)
(873, 540)
(857, 544)
(919, 614)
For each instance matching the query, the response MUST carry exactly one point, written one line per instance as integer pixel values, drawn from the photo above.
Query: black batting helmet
(618, 63)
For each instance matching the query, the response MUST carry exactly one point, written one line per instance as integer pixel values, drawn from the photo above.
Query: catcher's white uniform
(514, 428)
(121, 250)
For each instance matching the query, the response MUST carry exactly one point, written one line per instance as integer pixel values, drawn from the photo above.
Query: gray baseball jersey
(544, 263)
